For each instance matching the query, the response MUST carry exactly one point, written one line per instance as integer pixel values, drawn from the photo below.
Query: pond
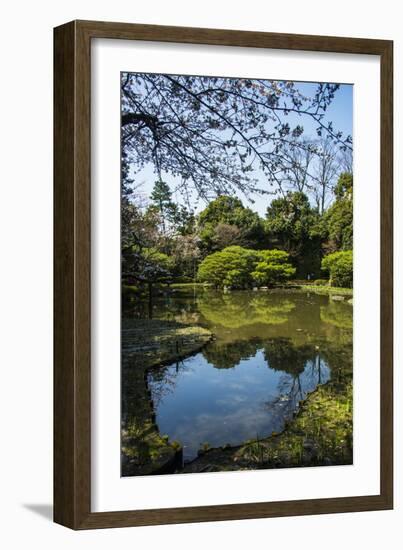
(271, 349)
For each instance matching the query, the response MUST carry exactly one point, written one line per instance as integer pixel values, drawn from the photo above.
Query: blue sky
(340, 112)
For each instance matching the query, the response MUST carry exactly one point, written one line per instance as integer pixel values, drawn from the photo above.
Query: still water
(270, 350)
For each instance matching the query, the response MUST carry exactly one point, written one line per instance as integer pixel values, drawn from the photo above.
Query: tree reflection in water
(271, 350)
(163, 380)
(189, 397)
(239, 309)
(305, 369)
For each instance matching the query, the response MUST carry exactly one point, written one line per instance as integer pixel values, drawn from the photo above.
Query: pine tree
(162, 197)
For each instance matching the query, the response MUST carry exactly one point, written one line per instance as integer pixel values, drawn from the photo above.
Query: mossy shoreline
(319, 434)
(148, 344)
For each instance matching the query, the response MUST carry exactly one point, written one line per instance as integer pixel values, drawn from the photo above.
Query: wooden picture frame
(72, 269)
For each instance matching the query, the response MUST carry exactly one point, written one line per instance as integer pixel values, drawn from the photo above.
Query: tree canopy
(220, 139)
(226, 221)
(272, 267)
(228, 244)
(338, 218)
(294, 225)
(339, 265)
(217, 134)
(230, 267)
(237, 267)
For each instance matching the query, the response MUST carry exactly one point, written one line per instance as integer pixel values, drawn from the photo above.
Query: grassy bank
(146, 344)
(325, 289)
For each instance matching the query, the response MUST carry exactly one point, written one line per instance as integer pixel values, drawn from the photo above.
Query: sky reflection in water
(271, 349)
(198, 403)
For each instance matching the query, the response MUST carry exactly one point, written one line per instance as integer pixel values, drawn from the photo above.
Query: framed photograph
(222, 275)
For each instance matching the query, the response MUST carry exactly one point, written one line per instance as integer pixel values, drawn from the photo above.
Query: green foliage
(294, 226)
(340, 267)
(338, 220)
(223, 235)
(161, 196)
(344, 186)
(225, 222)
(238, 267)
(230, 267)
(214, 137)
(172, 216)
(272, 267)
(164, 242)
(154, 266)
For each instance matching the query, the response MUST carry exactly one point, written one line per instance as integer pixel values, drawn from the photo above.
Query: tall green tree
(174, 219)
(161, 197)
(339, 265)
(294, 226)
(338, 219)
(226, 221)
